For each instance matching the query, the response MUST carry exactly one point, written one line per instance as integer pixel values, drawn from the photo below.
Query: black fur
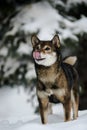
(53, 99)
(69, 72)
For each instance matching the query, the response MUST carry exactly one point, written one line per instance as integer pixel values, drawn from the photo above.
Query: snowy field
(18, 114)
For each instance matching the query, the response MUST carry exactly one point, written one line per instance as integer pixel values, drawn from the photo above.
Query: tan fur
(52, 81)
(74, 105)
(43, 109)
(70, 60)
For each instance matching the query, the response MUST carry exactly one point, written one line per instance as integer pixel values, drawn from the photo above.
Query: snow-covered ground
(18, 114)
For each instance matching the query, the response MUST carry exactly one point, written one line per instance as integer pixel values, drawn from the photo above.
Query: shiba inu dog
(57, 79)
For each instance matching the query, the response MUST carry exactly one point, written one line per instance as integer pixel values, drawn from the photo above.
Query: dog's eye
(47, 48)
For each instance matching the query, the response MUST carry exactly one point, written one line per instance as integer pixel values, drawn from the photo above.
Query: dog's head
(45, 52)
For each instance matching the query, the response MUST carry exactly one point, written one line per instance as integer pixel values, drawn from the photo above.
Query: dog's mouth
(37, 56)
(40, 59)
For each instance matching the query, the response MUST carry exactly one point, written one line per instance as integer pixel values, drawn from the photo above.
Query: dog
(57, 79)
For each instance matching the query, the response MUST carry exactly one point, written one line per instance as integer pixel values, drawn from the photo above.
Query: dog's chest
(47, 76)
(51, 86)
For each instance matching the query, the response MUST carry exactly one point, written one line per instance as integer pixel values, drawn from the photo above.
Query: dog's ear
(34, 40)
(56, 41)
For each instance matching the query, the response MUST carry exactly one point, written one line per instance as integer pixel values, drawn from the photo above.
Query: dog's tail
(70, 60)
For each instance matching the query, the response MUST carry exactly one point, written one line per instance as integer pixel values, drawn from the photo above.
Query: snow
(3, 51)
(10, 66)
(13, 31)
(80, 26)
(14, 103)
(35, 19)
(24, 49)
(30, 74)
(31, 71)
(41, 17)
(58, 2)
(76, 1)
(18, 114)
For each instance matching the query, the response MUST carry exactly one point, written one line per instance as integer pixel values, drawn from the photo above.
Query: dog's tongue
(36, 55)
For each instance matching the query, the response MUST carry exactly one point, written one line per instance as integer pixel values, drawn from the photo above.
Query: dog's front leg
(43, 105)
